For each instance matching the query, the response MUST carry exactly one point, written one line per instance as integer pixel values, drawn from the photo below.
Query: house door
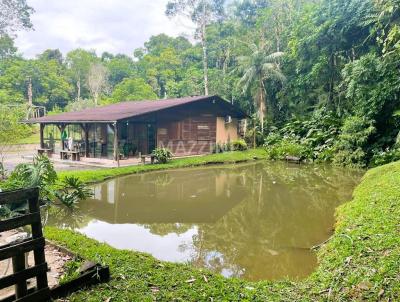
(146, 137)
(151, 137)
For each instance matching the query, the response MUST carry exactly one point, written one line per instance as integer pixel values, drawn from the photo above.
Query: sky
(116, 26)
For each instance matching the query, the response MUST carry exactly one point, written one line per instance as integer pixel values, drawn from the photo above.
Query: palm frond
(274, 56)
(247, 78)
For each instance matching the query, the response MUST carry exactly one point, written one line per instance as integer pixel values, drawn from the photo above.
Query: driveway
(24, 154)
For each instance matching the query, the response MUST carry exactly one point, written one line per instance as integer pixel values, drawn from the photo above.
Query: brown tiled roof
(124, 110)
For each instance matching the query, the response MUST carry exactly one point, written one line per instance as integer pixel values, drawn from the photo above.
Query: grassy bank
(91, 176)
(34, 138)
(360, 262)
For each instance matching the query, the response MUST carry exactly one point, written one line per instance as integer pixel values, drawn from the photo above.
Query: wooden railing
(17, 250)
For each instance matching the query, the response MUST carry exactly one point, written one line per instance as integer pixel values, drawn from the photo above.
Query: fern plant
(162, 155)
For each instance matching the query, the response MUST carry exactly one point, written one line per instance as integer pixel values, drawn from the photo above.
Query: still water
(255, 221)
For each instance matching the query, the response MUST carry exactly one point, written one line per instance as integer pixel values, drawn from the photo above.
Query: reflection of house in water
(167, 197)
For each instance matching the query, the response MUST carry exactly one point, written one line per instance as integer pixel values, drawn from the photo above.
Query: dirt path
(54, 258)
(17, 154)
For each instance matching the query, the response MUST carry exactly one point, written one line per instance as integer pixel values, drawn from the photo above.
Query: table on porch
(75, 155)
(46, 151)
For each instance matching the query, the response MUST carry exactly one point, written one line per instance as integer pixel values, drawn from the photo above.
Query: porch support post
(86, 130)
(116, 155)
(41, 136)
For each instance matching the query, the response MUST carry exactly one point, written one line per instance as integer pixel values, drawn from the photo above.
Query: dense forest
(319, 77)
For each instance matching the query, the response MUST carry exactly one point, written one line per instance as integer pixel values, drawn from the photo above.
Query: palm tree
(256, 68)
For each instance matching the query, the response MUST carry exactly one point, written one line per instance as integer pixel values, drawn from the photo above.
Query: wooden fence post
(17, 250)
(18, 263)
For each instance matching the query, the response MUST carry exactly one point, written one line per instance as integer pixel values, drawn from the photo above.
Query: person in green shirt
(64, 136)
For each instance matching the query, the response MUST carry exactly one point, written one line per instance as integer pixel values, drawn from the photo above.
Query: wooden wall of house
(226, 132)
(190, 136)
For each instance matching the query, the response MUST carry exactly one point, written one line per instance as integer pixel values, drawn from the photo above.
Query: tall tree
(7, 48)
(97, 80)
(49, 86)
(11, 130)
(135, 89)
(78, 63)
(256, 69)
(51, 54)
(202, 13)
(119, 67)
(14, 15)
(247, 11)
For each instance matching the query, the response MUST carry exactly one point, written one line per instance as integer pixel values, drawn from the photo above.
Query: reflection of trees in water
(163, 229)
(64, 217)
(288, 210)
(318, 178)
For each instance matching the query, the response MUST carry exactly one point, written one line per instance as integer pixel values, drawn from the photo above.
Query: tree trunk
(78, 86)
(30, 103)
(204, 46)
(42, 136)
(262, 105)
(254, 137)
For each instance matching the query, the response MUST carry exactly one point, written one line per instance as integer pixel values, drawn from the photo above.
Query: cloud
(117, 26)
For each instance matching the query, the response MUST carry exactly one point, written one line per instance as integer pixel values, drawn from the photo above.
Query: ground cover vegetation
(358, 263)
(53, 191)
(98, 175)
(320, 77)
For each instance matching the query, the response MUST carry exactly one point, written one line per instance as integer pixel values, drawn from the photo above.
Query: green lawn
(33, 138)
(360, 262)
(90, 176)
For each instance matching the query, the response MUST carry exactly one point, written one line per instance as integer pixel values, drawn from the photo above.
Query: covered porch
(121, 140)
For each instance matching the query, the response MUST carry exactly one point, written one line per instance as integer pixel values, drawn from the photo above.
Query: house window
(175, 130)
(203, 132)
(162, 131)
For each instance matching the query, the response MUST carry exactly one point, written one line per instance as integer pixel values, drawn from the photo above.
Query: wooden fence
(17, 250)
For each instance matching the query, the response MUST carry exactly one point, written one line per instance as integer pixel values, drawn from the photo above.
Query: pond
(254, 221)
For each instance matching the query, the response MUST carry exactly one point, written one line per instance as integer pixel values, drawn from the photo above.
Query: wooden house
(186, 126)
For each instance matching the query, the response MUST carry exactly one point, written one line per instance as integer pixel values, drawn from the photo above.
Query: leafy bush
(325, 155)
(313, 138)
(254, 137)
(223, 147)
(162, 155)
(40, 173)
(239, 145)
(350, 147)
(317, 133)
(288, 148)
(384, 157)
(272, 138)
(11, 129)
(72, 190)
